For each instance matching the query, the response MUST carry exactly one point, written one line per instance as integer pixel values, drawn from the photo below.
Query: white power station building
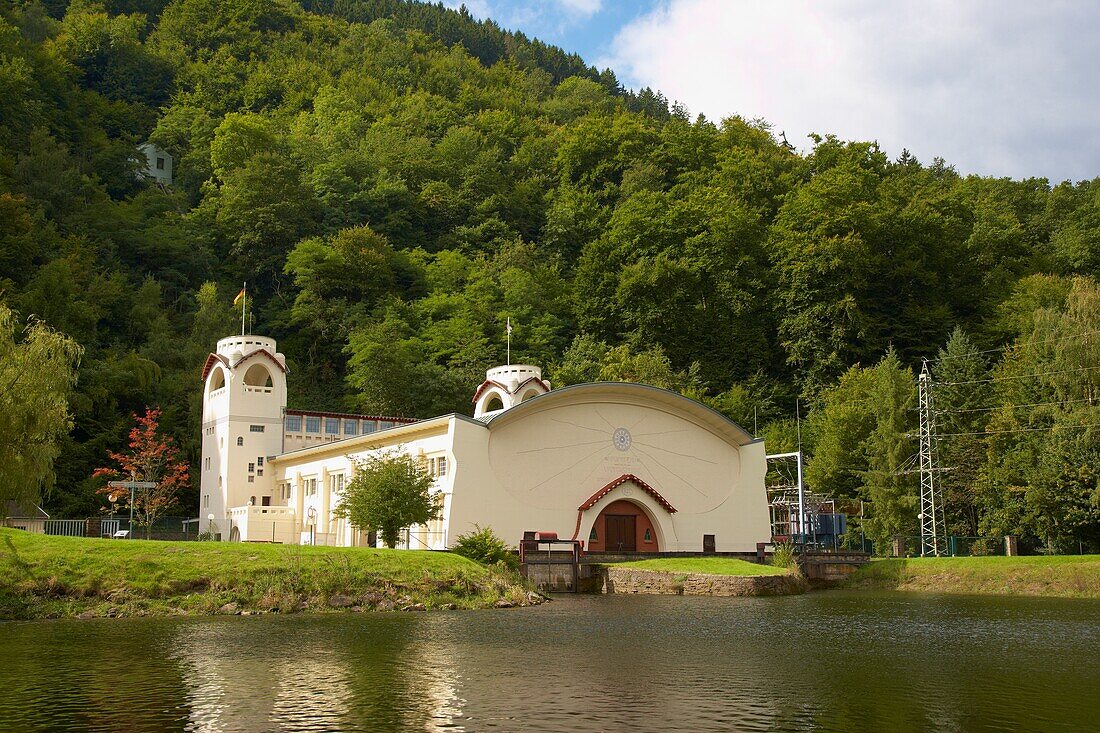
(622, 467)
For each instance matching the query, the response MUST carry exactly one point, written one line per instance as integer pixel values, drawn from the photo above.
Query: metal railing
(64, 527)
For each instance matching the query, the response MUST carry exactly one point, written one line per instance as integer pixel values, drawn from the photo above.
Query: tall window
(437, 467)
(294, 423)
(240, 440)
(336, 483)
(311, 486)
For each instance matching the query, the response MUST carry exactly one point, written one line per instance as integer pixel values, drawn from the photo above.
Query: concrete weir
(654, 582)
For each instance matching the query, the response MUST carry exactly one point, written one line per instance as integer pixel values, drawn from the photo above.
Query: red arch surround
(591, 502)
(625, 514)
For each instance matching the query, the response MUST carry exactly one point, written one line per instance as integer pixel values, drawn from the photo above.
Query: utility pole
(933, 530)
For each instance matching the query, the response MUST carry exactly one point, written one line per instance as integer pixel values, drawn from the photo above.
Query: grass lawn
(703, 566)
(1069, 576)
(49, 577)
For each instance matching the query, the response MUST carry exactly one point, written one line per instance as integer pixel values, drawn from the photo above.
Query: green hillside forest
(394, 180)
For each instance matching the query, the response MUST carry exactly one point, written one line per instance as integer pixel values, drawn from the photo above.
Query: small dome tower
(507, 386)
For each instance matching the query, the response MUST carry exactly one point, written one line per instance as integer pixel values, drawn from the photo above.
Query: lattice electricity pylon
(933, 529)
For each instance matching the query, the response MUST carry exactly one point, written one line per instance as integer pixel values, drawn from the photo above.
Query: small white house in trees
(157, 164)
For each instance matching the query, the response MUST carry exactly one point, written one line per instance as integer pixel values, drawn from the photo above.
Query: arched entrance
(623, 526)
(235, 535)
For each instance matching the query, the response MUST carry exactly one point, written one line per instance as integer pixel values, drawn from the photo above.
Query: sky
(994, 87)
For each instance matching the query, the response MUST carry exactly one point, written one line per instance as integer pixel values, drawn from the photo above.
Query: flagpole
(244, 304)
(509, 330)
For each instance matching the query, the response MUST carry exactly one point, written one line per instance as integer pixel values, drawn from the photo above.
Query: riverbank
(59, 577)
(1061, 576)
(701, 576)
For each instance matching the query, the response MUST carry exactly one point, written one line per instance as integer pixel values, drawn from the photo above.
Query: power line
(1016, 376)
(1011, 346)
(1011, 407)
(1019, 430)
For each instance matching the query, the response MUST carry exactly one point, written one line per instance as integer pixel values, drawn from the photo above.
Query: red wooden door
(620, 533)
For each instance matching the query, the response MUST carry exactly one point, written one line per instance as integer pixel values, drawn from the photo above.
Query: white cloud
(582, 7)
(994, 87)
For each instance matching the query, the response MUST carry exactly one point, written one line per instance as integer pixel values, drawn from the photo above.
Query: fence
(165, 528)
(958, 546)
(64, 527)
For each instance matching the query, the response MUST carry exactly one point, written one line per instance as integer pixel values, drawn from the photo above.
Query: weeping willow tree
(37, 371)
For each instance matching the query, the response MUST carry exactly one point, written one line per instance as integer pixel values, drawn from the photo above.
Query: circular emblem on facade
(621, 438)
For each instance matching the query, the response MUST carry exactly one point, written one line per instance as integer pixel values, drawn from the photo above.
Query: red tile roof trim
(210, 362)
(353, 416)
(619, 482)
(260, 352)
(213, 359)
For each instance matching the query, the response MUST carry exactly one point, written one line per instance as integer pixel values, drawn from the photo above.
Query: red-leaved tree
(152, 457)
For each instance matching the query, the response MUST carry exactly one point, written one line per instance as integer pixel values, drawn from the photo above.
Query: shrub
(783, 556)
(484, 546)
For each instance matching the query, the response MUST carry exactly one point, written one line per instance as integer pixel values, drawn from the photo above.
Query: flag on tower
(239, 296)
(509, 326)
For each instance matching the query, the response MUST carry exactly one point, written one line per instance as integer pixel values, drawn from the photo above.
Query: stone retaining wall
(653, 582)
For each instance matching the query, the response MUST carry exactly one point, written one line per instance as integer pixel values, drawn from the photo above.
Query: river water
(830, 661)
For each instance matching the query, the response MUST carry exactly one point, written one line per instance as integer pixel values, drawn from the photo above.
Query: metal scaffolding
(933, 529)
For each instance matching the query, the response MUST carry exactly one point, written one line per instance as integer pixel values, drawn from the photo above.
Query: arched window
(528, 394)
(217, 379)
(240, 440)
(493, 404)
(257, 376)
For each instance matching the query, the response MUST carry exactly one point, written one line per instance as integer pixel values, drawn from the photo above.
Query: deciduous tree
(388, 493)
(152, 457)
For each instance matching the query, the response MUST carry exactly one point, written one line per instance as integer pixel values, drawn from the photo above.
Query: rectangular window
(255, 428)
(386, 425)
(332, 425)
(336, 483)
(311, 486)
(160, 164)
(313, 424)
(259, 472)
(259, 460)
(369, 426)
(206, 501)
(251, 467)
(441, 466)
(294, 423)
(351, 427)
(207, 461)
(251, 479)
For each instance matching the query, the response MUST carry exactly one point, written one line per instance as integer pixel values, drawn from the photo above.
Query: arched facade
(258, 375)
(217, 379)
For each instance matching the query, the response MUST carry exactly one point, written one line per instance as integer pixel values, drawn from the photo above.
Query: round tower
(506, 386)
(244, 399)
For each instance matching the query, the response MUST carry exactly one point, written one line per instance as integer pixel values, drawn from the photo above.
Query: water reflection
(820, 662)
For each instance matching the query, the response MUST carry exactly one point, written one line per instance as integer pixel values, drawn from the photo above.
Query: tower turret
(506, 386)
(244, 400)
